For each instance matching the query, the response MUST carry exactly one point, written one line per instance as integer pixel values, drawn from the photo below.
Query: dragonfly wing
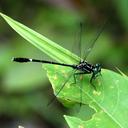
(70, 75)
(93, 41)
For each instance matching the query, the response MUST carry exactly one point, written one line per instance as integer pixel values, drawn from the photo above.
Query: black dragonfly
(83, 67)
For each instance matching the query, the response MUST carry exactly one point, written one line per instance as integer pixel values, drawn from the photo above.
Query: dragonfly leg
(91, 80)
(75, 74)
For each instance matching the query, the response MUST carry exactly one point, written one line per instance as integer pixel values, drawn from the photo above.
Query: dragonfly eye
(97, 68)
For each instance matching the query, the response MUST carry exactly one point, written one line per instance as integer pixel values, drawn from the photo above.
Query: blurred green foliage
(24, 88)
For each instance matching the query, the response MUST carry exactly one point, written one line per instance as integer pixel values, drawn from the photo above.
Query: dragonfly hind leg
(91, 81)
(75, 74)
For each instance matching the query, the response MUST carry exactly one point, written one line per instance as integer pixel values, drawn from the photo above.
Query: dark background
(24, 88)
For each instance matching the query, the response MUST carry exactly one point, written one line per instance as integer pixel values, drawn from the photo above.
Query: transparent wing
(62, 86)
(80, 38)
(92, 42)
(77, 43)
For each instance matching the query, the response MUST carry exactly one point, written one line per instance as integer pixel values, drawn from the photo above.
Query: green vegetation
(109, 101)
(25, 89)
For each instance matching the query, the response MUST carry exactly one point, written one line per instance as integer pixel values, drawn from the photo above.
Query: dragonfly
(83, 67)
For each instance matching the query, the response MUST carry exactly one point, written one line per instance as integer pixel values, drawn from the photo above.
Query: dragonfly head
(97, 69)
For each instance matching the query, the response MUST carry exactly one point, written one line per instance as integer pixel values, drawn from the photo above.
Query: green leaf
(110, 101)
(95, 122)
(44, 44)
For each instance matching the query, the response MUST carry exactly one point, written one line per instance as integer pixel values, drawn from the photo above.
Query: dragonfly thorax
(85, 67)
